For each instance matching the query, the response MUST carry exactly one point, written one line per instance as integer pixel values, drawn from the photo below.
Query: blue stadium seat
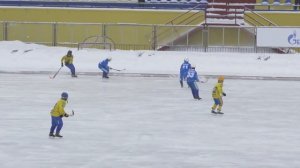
(265, 2)
(176, 1)
(276, 2)
(288, 2)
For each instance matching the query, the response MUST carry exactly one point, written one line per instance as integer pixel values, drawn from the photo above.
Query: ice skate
(58, 135)
(212, 111)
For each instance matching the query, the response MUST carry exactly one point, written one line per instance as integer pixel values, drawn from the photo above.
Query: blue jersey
(192, 76)
(185, 66)
(104, 64)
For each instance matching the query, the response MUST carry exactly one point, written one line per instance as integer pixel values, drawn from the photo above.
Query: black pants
(297, 2)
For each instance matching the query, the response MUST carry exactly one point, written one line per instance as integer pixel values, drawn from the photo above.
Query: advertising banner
(278, 37)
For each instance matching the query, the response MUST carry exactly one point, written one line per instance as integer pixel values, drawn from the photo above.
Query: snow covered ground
(17, 56)
(135, 122)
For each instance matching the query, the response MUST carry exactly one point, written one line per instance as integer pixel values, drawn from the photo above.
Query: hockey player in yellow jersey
(57, 113)
(217, 95)
(68, 60)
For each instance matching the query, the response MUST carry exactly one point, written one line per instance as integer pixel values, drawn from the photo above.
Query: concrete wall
(74, 33)
(87, 15)
(121, 34)
(283, 18)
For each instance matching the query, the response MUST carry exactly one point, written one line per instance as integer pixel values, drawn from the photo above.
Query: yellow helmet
(221, 78)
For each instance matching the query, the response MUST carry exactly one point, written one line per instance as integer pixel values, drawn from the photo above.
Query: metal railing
(258, 20)
(95, 45)
(135, 36)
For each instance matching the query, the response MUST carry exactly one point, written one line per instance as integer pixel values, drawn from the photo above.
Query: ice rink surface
(136, 122)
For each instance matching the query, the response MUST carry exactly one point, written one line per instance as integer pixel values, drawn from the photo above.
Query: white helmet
(193, 66)
(186, 59)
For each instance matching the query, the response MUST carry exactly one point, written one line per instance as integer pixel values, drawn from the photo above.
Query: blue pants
(104, 70)
(57, 123)
(195, 90)
(218, 102)
(297, 2)
(71, 67)
(183, 76)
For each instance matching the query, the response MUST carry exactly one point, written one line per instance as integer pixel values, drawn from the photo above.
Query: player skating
(217, 95)
(184, 68)
(103, 66)
(57, 113)
(192, 79)
(68, 61)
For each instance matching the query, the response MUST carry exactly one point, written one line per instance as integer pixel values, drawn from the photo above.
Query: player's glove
(224, 94)
(66, 115)
(62, 64)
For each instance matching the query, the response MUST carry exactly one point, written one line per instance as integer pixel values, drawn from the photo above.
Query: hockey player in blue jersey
(103, 66)
(192, 78)
(184, 68)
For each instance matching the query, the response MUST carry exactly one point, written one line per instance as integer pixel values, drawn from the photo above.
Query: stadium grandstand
(185, 25)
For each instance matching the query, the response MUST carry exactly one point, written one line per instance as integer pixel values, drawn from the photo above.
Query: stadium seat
(288, 2)
(276, 2)
(176, 1)
(265, 2)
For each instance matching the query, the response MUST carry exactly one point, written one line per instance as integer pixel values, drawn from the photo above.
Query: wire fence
(135, 36)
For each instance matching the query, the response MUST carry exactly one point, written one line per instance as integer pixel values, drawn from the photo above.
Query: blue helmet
(64, 95)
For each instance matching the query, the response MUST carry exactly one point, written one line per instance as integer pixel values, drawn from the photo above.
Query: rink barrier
(234, 77)
(83, 4)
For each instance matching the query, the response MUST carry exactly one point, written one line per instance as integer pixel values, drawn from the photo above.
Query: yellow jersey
(58, 109)
(67, 59)
(218, 90)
